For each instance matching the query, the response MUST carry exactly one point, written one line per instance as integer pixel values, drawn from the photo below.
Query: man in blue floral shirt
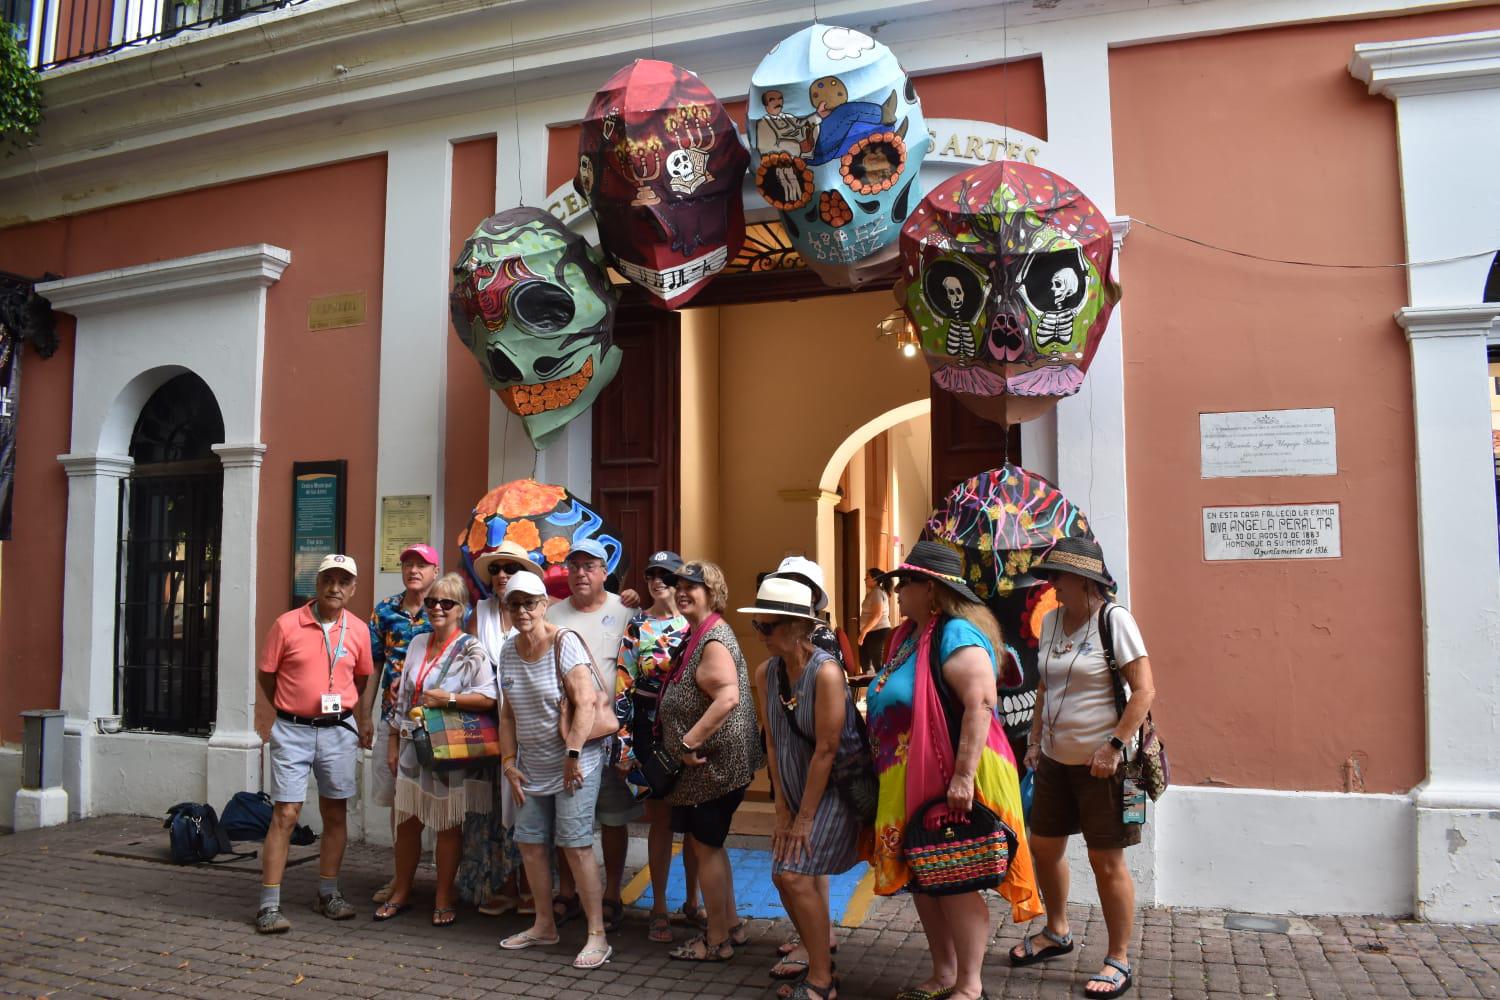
(394, 623)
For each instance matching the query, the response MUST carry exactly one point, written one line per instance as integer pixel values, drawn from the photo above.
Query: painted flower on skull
(545, 520)
(531, 302)
(1006, 276)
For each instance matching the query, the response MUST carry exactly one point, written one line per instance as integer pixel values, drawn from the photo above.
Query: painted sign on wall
(1294, 531)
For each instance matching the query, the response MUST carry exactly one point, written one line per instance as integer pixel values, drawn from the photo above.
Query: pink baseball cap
(426, 552)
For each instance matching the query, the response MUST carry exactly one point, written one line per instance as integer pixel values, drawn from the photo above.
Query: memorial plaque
(1268, 443)
(1293, 531)
(332, 312)
(403, 521)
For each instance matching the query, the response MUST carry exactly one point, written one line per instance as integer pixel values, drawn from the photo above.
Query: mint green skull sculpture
(531, 302)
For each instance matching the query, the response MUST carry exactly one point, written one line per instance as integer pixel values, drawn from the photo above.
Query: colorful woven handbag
(948, 856)
(451, 738)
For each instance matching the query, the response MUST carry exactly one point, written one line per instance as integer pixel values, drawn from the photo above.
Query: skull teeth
(529, 400)
(1018, 708)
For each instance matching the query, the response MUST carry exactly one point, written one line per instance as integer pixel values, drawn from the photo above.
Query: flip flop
(790, 945)
(798, 967)
(526, 907)
(388, 910)
(383, 894)
(1061, 945)
(570, 908)
(437, 916)
(523, 940)
(660, 930)
(593, 958)
(497, 905)
(1120, 979)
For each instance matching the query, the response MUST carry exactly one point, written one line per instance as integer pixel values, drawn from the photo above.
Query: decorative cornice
(1119, 228)
(88, 466)
(1423, 322)
(1441, 64)
(240, 456)
(234, 269)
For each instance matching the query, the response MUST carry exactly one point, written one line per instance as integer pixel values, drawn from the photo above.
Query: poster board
(319, 495)
(405, 520)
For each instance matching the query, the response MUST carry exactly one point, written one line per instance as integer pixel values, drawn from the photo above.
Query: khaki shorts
(1068, 799)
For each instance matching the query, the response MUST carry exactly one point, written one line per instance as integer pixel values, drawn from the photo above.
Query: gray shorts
(331, 753)
(382, 781)
(616, 805)
(565, 819)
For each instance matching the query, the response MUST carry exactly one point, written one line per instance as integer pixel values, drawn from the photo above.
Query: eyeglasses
(766, 628)
(584, 566)
(667, 579)
(526, 606)
(433, 603)
(509, 569)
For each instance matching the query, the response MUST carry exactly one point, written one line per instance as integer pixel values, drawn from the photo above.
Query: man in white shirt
(600, 617)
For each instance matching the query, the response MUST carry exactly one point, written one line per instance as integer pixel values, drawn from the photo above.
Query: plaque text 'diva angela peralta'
(1268, 443)
(1284, 531)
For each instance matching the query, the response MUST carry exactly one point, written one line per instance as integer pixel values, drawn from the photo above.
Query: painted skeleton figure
(1068, 292)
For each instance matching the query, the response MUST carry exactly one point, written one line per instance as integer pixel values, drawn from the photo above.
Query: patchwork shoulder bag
(852, 776)
(450, 738)
(1149, 767)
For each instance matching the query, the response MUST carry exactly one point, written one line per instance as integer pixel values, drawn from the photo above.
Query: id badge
(1134, 810)
(333, 704)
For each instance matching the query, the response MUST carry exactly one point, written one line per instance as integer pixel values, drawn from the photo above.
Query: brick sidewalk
(78, 923)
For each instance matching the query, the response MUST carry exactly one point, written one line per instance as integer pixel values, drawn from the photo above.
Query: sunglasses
(509, 569)
(526, 606)
(433, 603)
(766, 628)
(667, 579)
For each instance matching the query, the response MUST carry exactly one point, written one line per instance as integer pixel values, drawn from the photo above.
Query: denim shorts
(566, 819)
(616, 806)
(331, 753)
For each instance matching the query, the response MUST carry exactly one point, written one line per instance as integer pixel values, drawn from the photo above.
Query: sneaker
(271, 921)
(335, 907)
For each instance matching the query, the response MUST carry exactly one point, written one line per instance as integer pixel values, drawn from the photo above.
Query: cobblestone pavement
(78, 923)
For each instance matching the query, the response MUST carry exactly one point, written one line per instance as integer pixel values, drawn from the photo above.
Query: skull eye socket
(542, 307)
(874, 163)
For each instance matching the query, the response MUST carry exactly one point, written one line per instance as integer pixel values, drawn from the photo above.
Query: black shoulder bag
(1149, 767)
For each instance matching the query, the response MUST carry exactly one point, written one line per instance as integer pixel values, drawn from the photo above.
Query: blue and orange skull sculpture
(531, 302)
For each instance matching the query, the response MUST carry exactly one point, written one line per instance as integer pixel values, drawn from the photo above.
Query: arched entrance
(171, 512)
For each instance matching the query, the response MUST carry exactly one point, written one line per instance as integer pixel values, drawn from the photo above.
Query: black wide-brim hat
(1079, 556)
(937, 562)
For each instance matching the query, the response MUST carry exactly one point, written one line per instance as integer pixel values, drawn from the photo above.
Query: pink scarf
(929, 755)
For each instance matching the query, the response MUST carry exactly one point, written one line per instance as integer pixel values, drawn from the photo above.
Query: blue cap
(589, 547)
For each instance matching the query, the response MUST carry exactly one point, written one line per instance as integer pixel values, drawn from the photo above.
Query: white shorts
(331, 753)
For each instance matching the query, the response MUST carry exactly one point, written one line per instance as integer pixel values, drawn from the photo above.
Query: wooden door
(635, 452)
(963, 445)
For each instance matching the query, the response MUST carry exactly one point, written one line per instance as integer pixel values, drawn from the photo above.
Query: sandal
(805, 990)
(790, 945)
(917, 993)
(738, 936)
(789, 968)
(593, 958)
(387, 910)
(565, 908)
(660, 929)
(697, 915)
(526, 906)
(518, 942)
(1120, 980)
(438, 920)
(1061, 945)
(497, 905)
(698, 949)
(614, 915)
(383, 894)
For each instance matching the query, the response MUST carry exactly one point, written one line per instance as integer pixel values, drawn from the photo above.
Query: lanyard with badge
(333, 701)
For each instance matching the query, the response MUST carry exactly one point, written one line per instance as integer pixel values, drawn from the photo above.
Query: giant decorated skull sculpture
(837, 140)
(531, 302)
(661, 165)
(1006, 276)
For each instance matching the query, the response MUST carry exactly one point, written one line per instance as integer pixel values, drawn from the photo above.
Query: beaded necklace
(903, 652)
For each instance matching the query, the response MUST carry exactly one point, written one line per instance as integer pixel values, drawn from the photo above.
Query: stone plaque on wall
(1292, 531)
(1268, 443)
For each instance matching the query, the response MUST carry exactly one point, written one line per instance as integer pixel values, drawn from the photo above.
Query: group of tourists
(613, 708)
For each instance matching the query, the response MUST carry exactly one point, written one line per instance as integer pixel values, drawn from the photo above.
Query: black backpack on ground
(247, 816)
(196, 835)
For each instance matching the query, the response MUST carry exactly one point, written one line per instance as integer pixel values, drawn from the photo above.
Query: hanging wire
(1307, 263)
(1004, 75)
(652, 15)
(515, 112)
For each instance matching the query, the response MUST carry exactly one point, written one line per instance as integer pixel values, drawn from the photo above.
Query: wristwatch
(1116, 742)
(452, 700)
(574, 754)
(688, 749)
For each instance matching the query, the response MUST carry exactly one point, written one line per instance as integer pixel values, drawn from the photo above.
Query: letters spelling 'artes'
(838, 138)
(661, 165)
(532, 303)
(1005, 273)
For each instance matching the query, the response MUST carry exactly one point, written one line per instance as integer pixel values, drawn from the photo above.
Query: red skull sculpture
(661, 165)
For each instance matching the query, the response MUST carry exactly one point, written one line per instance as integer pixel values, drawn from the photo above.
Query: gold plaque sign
(331, 312)
(403, 521)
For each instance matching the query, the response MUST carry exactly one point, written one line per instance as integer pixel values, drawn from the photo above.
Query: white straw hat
(779, 595)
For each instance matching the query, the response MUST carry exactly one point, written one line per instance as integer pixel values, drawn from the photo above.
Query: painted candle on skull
(532, 303)
(1006, 276)
(661, 165)
(837, 140)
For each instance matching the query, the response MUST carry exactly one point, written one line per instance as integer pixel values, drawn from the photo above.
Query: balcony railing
(57, 32)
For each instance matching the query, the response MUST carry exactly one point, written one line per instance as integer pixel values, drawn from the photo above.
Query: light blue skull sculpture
(837, 139)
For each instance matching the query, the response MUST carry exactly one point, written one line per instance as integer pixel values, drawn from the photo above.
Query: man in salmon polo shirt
(315, 668)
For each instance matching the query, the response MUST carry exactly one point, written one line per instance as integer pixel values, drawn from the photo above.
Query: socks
(270, 895)
(327, 886)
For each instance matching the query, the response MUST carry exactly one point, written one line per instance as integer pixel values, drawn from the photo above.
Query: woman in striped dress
(811, 724)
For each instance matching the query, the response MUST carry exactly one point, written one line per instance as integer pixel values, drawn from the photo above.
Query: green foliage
(20, 94)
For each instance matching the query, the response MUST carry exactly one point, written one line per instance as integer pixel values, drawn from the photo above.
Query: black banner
(10, 401)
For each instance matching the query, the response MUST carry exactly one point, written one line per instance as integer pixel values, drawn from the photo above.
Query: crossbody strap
(791, 713)
(557, 659)
(1107, 640)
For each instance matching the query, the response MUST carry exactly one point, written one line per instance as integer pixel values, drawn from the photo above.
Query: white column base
(233, 766)
(1458, 840)
(78, 767)
(37, 808)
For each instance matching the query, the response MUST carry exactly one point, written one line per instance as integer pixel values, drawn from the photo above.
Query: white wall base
(10, 783)
(1266, 851)
(1141, 860)
(233, 765)
(1458, 880)
(78, 766)
(36, 808)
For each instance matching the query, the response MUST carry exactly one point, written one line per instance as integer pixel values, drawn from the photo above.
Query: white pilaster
(1091, 425)
(234, 748)
(413, 335)
(88, 682)
(1447, 95)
